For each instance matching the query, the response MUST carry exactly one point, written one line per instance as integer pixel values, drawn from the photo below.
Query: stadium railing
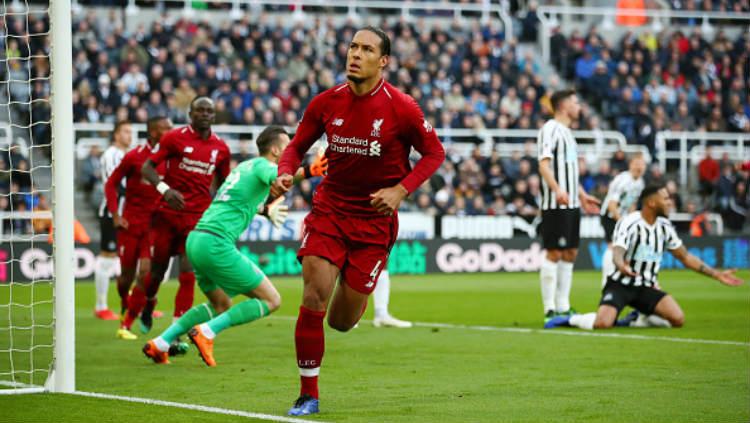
(592, 143)
(549, 18)
(690, 147)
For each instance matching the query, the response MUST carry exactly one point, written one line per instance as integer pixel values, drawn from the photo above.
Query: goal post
(62, 376)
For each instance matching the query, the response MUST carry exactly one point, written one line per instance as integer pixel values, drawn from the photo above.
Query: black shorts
(609, 227)
(108, 242)
(561, 228)
(641, 298)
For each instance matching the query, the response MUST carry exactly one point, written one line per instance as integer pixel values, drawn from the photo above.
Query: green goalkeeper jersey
(240, 197)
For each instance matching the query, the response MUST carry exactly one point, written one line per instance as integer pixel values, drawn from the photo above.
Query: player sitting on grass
(221, 270)
(639, 243)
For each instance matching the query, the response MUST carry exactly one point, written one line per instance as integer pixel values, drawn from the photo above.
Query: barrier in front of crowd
(26, 261)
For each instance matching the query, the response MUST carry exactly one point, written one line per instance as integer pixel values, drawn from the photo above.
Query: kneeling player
(221, 270)
(639, 243)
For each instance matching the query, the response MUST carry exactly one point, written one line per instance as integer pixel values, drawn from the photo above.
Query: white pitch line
(196, 407)
(583, 333)
(598, 334)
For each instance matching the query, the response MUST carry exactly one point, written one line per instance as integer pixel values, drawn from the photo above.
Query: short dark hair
(154, 120)
(268, 138)
(650, 190)
(199, 97)
(385, 40)
(559, 96)
(119, 124)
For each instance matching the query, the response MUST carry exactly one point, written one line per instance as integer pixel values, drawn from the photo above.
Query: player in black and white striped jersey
(621, 199)
(561, 203)
(641, 239)
(107, 261)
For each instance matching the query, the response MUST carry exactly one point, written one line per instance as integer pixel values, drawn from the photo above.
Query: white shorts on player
(380, 299)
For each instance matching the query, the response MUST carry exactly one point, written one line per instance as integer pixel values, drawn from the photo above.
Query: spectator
(708, 173)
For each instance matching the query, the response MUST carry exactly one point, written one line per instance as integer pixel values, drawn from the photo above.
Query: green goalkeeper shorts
(218, 264)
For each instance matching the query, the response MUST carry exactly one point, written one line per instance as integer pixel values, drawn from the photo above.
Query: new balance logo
(375, 149)
(338, 122)
(376, 124)
(426, 125)
(369, 284)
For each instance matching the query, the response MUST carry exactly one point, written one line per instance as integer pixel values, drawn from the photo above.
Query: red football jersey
(141, 198)
(190, 166)
(369, 141)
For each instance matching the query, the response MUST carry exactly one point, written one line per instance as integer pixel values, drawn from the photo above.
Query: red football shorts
(133, 244)
(170, 230)
(358, 246)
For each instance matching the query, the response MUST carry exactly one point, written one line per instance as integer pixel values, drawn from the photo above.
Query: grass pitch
(425, 374)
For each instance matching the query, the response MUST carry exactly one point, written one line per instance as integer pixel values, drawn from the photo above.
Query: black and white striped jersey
(644, 246)
(625, 190)
(109, 160)
(556, 142)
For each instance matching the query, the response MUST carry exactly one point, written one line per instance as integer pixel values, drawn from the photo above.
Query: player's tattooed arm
(618, 257)
(694, 263)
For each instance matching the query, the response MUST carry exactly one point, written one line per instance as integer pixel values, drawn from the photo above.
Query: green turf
(425, 374)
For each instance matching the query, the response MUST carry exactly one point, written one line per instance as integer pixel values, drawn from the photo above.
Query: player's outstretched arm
(173, 197)
(694, 263)
(310, 128)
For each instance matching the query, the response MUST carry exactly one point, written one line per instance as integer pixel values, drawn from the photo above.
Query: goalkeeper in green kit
(221, 270)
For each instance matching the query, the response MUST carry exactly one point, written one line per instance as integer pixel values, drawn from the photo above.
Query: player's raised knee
(340, 325)
(677, 320)
(600, 323)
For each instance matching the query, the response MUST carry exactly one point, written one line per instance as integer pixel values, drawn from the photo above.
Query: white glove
(277, 212)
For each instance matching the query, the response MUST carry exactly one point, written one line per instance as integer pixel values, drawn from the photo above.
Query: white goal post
(62, 376)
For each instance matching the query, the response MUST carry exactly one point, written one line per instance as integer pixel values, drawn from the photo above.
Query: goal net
(33, 176)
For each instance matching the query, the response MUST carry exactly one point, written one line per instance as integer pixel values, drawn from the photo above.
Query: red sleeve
(310, 128)
(113, 183)
(166, 147)
(746, 166)
(424, 139)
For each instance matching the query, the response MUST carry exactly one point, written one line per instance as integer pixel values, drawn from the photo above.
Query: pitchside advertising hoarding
(25, 262)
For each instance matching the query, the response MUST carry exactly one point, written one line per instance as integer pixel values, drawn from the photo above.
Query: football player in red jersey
(194, 157)
(134, 225)
(371, 128)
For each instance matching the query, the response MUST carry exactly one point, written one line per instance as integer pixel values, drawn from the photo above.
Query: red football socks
(310, 343)
(185, 293)
(136, 302)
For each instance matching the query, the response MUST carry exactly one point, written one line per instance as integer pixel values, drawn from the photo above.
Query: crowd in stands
(670, 81)
(19, 193)
(738, 6)
(463, 75)
(266, 71)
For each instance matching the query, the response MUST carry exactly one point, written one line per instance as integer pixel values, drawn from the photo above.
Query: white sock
(548, 276)
(102, 273)
(608, 265)
(161, 344)
(382, 294)
(207, 332)
(654, 321)
(583, 321)
(564, 281)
